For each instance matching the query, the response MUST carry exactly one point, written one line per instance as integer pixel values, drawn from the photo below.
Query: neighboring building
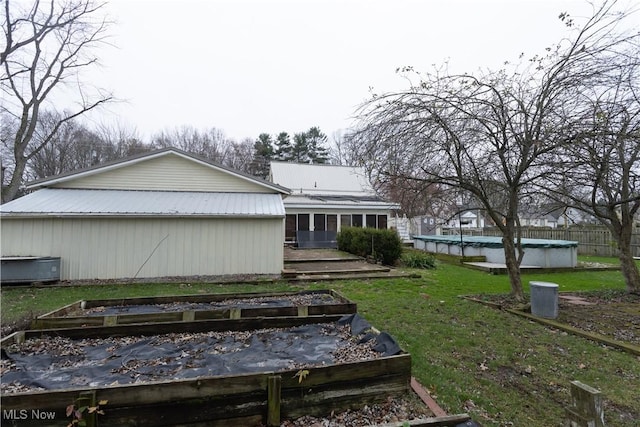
(161, 214)
(466, 219)
(326, 198)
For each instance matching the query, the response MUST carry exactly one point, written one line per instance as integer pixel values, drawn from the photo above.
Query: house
(467, 219)
(161, 214)
(326, 198)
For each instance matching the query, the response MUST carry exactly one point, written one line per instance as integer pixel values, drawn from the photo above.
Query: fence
(591, 241)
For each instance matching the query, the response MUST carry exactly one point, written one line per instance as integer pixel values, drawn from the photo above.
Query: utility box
(28, 269)
(544, 299)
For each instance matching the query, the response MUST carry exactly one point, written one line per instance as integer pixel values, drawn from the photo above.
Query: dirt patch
(613, 314)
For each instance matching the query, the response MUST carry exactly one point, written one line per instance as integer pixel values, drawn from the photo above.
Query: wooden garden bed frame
(248, 399)
(70, 316)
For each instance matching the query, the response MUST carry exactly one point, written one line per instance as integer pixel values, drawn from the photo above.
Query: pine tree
(263, 153)
(283, 147)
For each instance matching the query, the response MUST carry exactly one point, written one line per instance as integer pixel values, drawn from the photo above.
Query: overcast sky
(252, 66)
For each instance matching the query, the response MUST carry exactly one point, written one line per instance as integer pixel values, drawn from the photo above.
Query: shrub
(383, 245)
(418, 259)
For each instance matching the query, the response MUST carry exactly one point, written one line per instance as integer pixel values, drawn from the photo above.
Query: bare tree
(490, 134)
(211, 144)
(342, 150)
(46, 48)
(599, 173)
(115, 141)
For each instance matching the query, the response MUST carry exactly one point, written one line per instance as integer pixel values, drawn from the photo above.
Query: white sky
(252, 66)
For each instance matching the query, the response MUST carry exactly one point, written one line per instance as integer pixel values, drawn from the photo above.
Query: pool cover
(52, 363)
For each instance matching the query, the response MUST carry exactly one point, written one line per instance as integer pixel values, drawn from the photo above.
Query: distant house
(467, 219)
(326, 198)
(161, 214)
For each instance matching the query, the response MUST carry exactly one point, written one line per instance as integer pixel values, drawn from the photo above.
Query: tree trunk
(622, 233)
(629, 271)
(10, 191)
(513, 266)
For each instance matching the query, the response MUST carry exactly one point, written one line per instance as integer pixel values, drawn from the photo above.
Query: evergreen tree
(300, 149)
(263, 153)
(316, 149)
(283, 147)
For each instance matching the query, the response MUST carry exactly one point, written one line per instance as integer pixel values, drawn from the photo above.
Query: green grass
(502, 369)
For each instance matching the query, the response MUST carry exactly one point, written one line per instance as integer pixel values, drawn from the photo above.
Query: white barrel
(544, 299)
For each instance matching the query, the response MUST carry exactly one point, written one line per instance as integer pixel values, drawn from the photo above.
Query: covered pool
(538, 252)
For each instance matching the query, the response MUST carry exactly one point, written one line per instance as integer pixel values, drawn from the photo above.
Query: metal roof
(344, 202)
(303, 178)
(73, 202)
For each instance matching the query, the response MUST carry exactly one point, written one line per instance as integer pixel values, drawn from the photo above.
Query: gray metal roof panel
(304, 178)
(49, 201)
(313, 202)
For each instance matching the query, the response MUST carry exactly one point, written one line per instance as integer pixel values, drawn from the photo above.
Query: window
(356, 220)
(290, 228)
(319, 222)
(345, 221)
(371, 221)
(332, 222)
(303, 222)
(382, 221)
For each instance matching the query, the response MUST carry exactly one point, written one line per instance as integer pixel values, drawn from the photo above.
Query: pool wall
(538, 252)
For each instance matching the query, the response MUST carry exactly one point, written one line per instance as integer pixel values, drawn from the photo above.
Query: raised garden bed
(290, 367)
(177, 308)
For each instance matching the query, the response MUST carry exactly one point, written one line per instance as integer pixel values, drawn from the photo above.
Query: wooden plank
(145, 393)
(317, 310)
(348, 371)
(190, 298)
(443, 421)
(426, 398)
(168, 316)
(226, 410)
(587, 404)
(171, 327)
(110, 320)
(274, 387)
(60, 318)
(270, 312)
(175, 390)
(634, 349)
(175, 316)
(322, 400)
(68, 322)
(74, 307)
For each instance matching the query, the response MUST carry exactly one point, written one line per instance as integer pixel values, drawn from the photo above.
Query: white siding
(166, 173)
(112, 248)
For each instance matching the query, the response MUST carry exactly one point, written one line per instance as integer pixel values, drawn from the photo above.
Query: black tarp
(97, 362)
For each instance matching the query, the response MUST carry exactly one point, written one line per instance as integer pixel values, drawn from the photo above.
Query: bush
(383, 245)
(418, 259)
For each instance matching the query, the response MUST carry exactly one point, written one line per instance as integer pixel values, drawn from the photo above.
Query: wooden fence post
(88, 399)
(274, 387)
(586, 407)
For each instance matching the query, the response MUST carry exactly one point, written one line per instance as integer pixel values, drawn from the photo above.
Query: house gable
(168, 170)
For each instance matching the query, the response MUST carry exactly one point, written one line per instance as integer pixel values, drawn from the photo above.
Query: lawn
(500, 368)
